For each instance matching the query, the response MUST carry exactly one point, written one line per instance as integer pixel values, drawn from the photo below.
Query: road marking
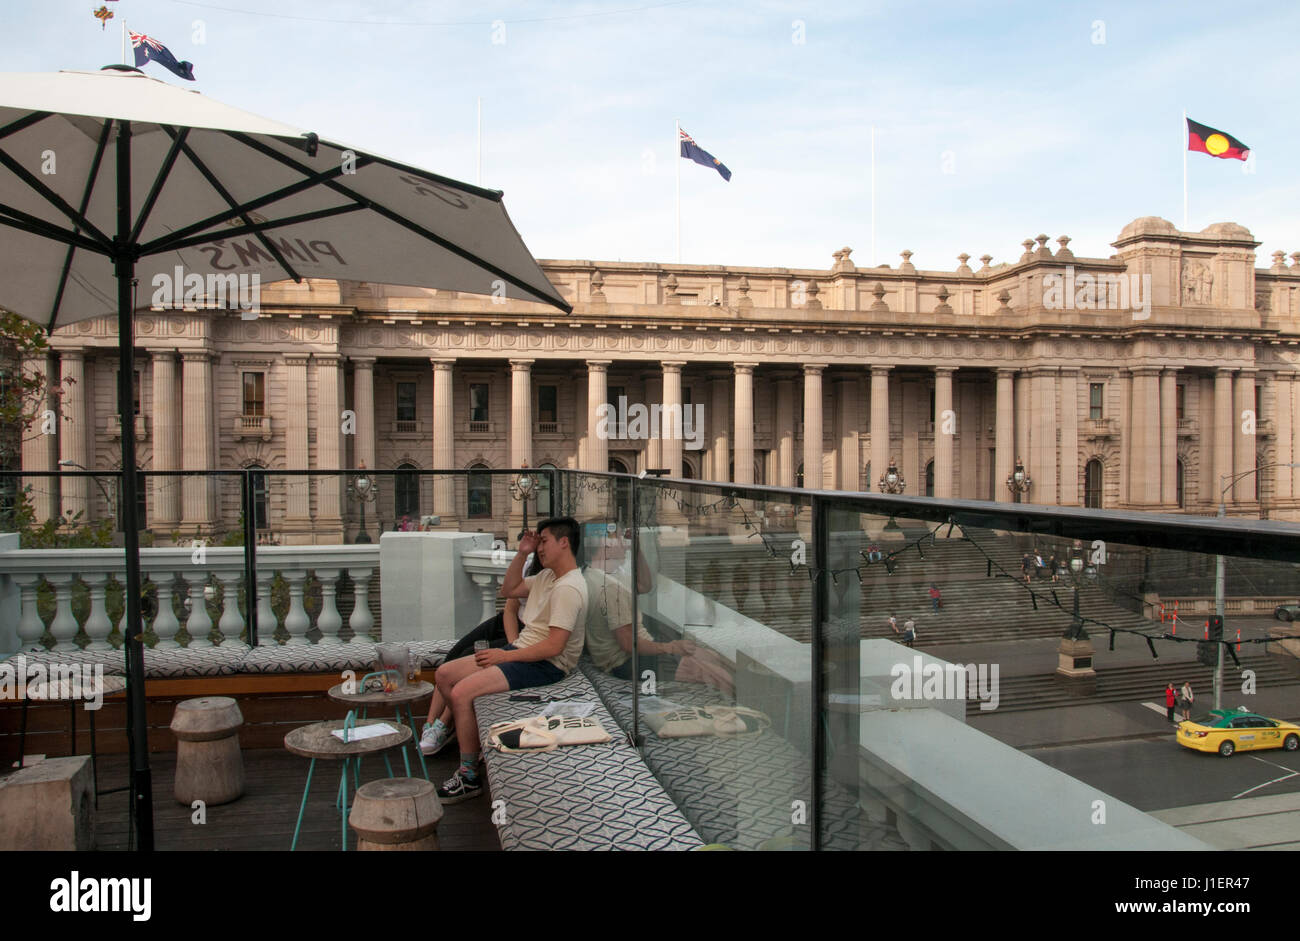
(1289, 774)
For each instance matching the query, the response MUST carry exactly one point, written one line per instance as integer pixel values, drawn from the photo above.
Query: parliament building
(1147, 380)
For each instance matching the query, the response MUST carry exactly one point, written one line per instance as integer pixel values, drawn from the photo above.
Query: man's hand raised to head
(528, 541)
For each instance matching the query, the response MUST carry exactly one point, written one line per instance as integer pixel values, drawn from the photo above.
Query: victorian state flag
(693, 151)
(148, 49)
(1207, 140)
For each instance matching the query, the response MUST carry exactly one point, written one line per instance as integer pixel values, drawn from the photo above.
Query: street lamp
(1219, 569)
(891, 481)
(1018, 481)
(521, 489)
(364, 490)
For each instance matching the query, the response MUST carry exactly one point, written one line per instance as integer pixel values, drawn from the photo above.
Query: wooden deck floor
(263, 819)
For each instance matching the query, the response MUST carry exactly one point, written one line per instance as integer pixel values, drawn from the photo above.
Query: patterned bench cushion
(332, 658)
(583, 797)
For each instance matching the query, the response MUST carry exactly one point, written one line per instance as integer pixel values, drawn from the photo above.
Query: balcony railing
(141, 427)
(1100, 428)
(253, 426)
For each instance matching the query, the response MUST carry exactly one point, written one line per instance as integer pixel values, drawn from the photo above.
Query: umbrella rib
(402, 221)
(253, 228)
(167, 240)
(23, 123)
(233, 204)
(178, 141)
(53, 198)
(38, 226)
(85, 201)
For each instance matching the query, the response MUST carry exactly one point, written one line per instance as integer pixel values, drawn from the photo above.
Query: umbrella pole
(141, 787)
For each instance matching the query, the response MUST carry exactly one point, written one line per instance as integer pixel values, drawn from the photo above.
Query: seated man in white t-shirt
(549, 642)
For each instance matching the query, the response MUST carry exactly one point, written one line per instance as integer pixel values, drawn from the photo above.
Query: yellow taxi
(1226, 731)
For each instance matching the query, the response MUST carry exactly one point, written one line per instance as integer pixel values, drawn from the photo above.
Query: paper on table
(365, 731)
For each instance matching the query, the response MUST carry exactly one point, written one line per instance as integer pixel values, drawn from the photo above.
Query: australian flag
(148, 49)
(693, 151)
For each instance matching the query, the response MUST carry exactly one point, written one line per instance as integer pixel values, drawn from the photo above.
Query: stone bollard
(396, 814)
(49, 806)
(209, 765)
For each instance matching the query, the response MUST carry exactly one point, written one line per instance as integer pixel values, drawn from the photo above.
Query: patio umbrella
(112, 177)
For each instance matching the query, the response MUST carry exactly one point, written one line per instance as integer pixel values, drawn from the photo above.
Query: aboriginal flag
(1207, 140)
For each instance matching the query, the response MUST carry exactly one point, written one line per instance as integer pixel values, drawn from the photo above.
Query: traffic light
(1207, 651)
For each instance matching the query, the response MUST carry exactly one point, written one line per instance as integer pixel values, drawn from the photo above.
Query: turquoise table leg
(303, 808)
(424, 769)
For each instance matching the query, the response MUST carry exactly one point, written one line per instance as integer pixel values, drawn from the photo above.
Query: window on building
(1180, 401)
(868, 486)
(1094, 399)
(135, 394)
(1179, 473)
(929, 479)
(254, 394)
(261, 519)
(479, 488)
(478, 402)
(930, 414)
(1092, 473)
(616, 429)
(547, 408)
(545, 498)
(798, 476)
(406, 494)
(141, 501)
(1259, 401)
(406, 401)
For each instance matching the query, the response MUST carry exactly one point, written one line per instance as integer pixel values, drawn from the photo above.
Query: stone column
(363, 403)
(329, 448)
(1224, 424)
(597, 395)
(879, 424)
(783, 431)
(1243, 446)
(196, 379)
(297, 489)
(166, 441)
(1022, 423)
(1042, 445)
(1169, 438)
(654, 395)
(1281, 401)
(943, 436)
(670, 424)
(744, 399)
(39, 443)
(1004, 461)
(812, 426)
(444, 439)
(1070, 468)
(719, 429)
(849, 466)
(521, 413)
(580, 429)
(72, 433)
(1144, 448)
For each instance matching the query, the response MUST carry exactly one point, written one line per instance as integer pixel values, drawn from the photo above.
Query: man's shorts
(533, 673)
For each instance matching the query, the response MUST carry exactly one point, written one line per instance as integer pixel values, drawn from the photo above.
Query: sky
(994, 122)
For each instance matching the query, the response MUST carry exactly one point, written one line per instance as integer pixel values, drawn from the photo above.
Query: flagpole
(478, 173)
(872, 260)
(1184, 143)
(124, 62)
(677, 148)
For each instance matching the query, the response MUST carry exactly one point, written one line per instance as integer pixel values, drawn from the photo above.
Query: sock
(469, 765)
(438, 727)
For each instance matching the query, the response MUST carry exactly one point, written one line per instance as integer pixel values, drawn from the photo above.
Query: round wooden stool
(396, 814)
(209, 764)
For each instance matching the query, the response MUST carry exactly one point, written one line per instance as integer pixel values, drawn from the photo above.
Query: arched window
(868, 486)
(545, 499)
(479, 493)
(406, 494)
(929, 479)
(798, 476)
(1179, 472)
(688, 469)
(1092, 474)
(260, 516)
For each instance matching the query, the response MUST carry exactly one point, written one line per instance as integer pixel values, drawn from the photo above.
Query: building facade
(1147, 380)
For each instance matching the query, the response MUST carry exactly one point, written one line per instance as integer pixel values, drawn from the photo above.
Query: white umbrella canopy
(108, 177)
(218, 191)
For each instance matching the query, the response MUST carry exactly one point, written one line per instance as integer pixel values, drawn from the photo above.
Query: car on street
(1287, 612)
(1227, 731)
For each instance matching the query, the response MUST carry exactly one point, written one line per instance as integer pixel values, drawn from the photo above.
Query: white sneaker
(431, 742)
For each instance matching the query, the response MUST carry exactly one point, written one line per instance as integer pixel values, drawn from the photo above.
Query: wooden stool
(209, 765)
(396, 814)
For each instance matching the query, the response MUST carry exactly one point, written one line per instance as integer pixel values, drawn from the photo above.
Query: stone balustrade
(198, 575)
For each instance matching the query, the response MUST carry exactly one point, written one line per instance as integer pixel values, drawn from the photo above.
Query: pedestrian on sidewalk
(1187, 697)
(1026, 566)
(893, 623)
(936, 599)
(909, 632)
(1171, 698)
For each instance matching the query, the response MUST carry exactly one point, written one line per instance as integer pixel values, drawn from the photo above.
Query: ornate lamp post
(364, 490)
(521, 489)
(1018, 481)
(891, 481)
(1076, 650)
